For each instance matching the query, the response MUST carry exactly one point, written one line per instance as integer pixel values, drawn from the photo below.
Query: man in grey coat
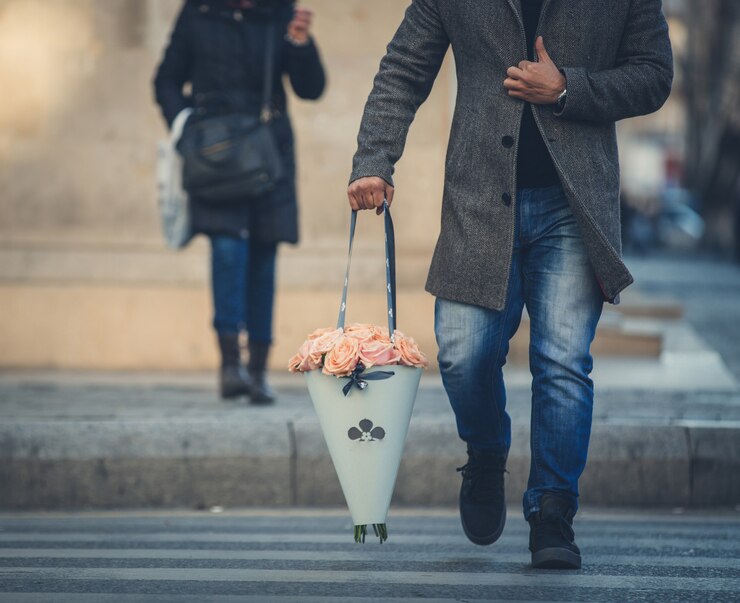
(530, 216)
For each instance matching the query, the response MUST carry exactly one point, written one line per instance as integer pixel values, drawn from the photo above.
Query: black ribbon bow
(359, 380)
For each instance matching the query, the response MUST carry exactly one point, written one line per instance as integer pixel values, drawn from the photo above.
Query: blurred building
(712, 90)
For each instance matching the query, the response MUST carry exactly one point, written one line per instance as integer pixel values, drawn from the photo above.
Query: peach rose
(410, 353)
(381, 334)
(378, 353)
(361, 332)
(295, 362)
(302, 361)
(319, 332)
(323, 344)
(343, 357)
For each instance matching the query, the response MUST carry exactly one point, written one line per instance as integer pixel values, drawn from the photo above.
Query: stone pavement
(308, 556)
(666, 430)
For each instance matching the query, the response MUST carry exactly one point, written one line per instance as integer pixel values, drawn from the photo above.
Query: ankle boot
(551, 536)
(261, 392)
(482, 500)
(234, 380)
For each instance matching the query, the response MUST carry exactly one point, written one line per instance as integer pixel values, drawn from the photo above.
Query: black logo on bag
(366, 432)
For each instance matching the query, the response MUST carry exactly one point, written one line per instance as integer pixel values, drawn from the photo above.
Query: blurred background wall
(85, 279)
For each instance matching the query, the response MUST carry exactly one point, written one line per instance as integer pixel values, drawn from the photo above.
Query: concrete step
(145, 444)
(112, 464)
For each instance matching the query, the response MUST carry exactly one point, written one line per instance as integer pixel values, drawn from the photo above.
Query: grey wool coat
(616, 56)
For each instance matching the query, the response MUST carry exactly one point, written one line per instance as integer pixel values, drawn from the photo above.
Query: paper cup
(365, 432)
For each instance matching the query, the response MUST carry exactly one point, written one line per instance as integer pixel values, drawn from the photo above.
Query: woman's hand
(299, 28)
(369, 193)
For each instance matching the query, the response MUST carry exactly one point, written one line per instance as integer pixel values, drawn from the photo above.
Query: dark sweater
(534, 167)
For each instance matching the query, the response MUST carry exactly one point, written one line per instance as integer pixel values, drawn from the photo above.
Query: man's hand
(299, 28)
(536, 82)
(368, 193)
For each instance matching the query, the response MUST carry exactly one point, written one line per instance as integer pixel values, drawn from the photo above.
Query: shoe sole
(484, 540)
(262, 401)
(231, 394)
(556, 558)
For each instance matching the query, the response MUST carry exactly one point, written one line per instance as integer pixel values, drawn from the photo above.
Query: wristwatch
(560, 103)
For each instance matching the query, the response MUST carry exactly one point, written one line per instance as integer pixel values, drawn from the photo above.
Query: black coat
(220, 51)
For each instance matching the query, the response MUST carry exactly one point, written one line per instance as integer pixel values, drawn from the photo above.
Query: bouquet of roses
(340, 352)
(365, 432)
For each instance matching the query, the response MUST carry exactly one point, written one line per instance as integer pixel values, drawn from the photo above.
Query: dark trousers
(243, 282)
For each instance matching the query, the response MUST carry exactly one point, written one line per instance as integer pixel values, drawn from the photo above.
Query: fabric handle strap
(390, 270)
(179, 125)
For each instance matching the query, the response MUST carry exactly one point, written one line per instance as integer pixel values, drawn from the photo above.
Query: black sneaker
(482, 502)
(551, 536)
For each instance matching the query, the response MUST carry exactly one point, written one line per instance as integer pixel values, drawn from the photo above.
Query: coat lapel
(516, 7)
(543, 15)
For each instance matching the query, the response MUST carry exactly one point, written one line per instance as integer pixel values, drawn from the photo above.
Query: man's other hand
(369, 193)
(538, 82)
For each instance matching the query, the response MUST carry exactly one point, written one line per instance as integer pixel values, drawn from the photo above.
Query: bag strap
(178, 125)
(390, 271)
(266, 111)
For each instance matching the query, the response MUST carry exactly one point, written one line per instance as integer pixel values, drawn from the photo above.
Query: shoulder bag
(233, 157)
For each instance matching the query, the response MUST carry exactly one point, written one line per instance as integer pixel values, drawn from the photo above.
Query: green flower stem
(380, 529)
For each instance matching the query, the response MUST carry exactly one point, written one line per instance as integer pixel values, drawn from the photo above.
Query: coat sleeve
(174, 70)
(404, 81)
(305, 70)
(639, 83)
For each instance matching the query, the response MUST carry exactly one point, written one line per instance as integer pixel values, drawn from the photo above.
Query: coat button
(507, 141)
(506, 198)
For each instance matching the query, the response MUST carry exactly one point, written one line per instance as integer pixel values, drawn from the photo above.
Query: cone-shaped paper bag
(365, 432)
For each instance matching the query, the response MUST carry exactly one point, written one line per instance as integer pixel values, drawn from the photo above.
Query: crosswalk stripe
(490, 556)
(337, 538)
(441, 526)
(153, 598)
(467, 579)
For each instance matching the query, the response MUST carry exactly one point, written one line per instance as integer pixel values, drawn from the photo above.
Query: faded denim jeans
(243, 283)
(552, 276)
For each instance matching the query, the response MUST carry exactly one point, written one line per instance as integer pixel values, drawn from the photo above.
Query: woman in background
(218, 48)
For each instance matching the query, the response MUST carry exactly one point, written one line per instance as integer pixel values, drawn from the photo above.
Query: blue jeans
(552, 276)
(243, 280)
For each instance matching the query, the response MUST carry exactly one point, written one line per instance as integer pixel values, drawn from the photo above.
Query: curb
(201, 463)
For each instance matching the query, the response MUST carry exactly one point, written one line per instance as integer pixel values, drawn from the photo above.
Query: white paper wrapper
(366, 459)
